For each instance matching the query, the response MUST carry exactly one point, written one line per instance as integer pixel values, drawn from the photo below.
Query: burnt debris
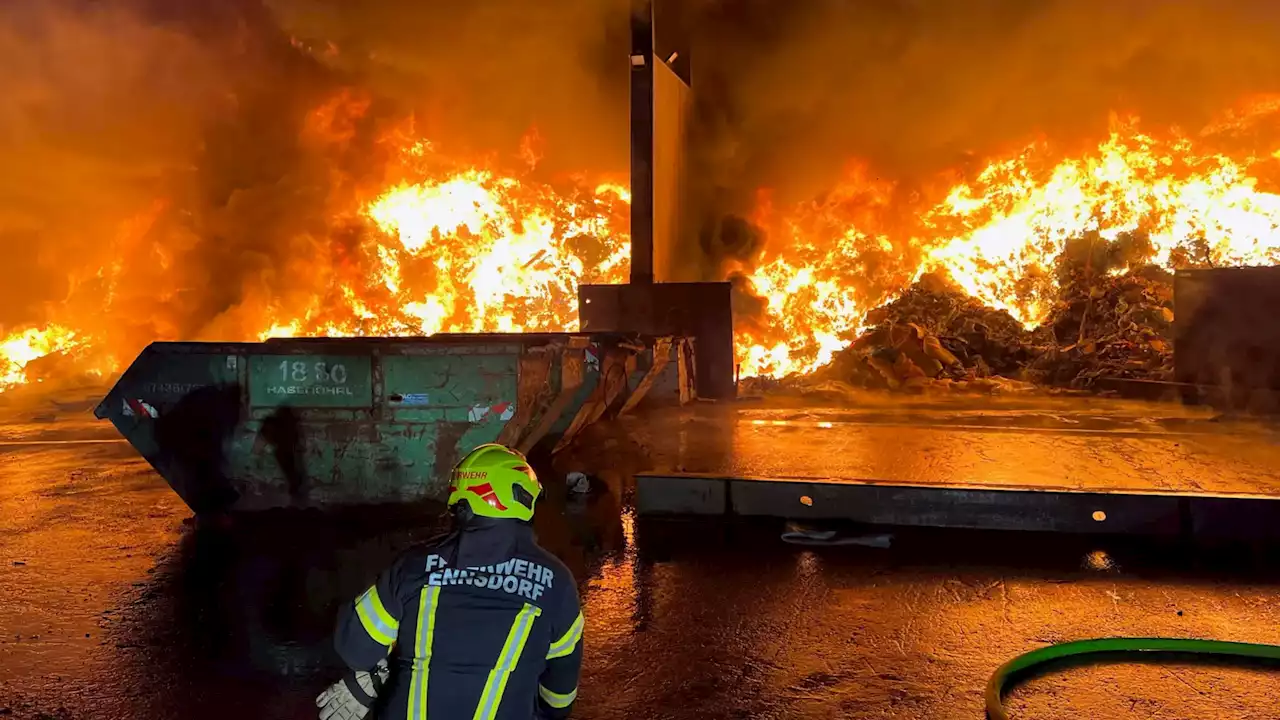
(1103, 324)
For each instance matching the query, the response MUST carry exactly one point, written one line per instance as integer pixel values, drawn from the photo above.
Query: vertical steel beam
(642, 142)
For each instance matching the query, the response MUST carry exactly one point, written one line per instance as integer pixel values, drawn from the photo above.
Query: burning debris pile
(935, 335)
(1105, 323)
(1115, 326)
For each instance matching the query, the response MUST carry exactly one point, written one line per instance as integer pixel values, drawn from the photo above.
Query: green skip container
(322, 422)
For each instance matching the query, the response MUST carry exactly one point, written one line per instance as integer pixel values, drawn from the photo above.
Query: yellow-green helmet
(495, 481)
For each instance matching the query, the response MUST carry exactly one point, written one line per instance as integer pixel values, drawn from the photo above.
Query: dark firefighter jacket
(485, 625)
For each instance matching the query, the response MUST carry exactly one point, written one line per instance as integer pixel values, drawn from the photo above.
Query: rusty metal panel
(1224, 331)
(535, 391)
(661, 358)
(688, 391)
(581, 388)
(671, 381)
(693, 310)
(611, 385)
(572, 374)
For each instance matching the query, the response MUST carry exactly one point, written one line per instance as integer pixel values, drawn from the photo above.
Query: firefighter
(481, 625)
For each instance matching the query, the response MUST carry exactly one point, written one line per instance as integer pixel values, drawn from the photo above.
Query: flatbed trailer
(1061, 464)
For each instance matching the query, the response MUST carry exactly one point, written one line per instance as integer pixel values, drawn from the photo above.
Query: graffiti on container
(140, 408)
(504, 411)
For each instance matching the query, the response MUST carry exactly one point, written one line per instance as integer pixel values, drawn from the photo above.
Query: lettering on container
(171, 388)
(313, 390)
(318, 379)
(300, 371)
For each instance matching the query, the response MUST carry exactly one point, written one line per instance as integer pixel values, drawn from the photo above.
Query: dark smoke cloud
(99, 111)
(483, 73)
(172, 168)
(915, 86)
(921, 93)
(130, 133)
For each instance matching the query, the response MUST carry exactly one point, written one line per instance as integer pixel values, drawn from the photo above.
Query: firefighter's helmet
(495, 481)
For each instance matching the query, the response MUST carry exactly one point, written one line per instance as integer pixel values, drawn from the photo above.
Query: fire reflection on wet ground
(117, 606)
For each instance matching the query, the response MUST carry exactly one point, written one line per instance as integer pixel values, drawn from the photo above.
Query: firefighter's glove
(352, 697)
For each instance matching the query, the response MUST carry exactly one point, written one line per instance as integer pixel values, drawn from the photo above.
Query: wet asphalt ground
(114, 604)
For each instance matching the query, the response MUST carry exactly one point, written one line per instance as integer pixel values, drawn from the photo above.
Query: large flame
(476, 252)
(471, 249)
(1133, 182)
(998, 236)
(22, 348)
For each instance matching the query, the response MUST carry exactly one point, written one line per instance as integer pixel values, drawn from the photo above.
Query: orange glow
(998, 236)
(21, 348)
(498, 249)
(443, 246)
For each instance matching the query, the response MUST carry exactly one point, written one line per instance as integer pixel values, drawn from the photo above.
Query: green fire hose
(1038, 660)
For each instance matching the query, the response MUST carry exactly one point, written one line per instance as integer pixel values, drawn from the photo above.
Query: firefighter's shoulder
(411, 567)
(563, 584)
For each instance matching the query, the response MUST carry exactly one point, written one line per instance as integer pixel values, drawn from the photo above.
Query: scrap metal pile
(936, 337)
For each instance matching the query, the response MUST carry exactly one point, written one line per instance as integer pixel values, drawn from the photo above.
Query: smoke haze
(914, 87)
(170, 166)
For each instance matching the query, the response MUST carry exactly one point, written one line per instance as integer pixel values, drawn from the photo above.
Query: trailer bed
(1050, 463)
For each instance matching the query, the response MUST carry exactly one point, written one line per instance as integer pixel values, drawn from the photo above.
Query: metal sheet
(661, 358)
(702, 311)
(962, 507)
(958, 507)
(675, 246)
(1049, 443)
(681, 495)
(1224, 332)
(1027, 464)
